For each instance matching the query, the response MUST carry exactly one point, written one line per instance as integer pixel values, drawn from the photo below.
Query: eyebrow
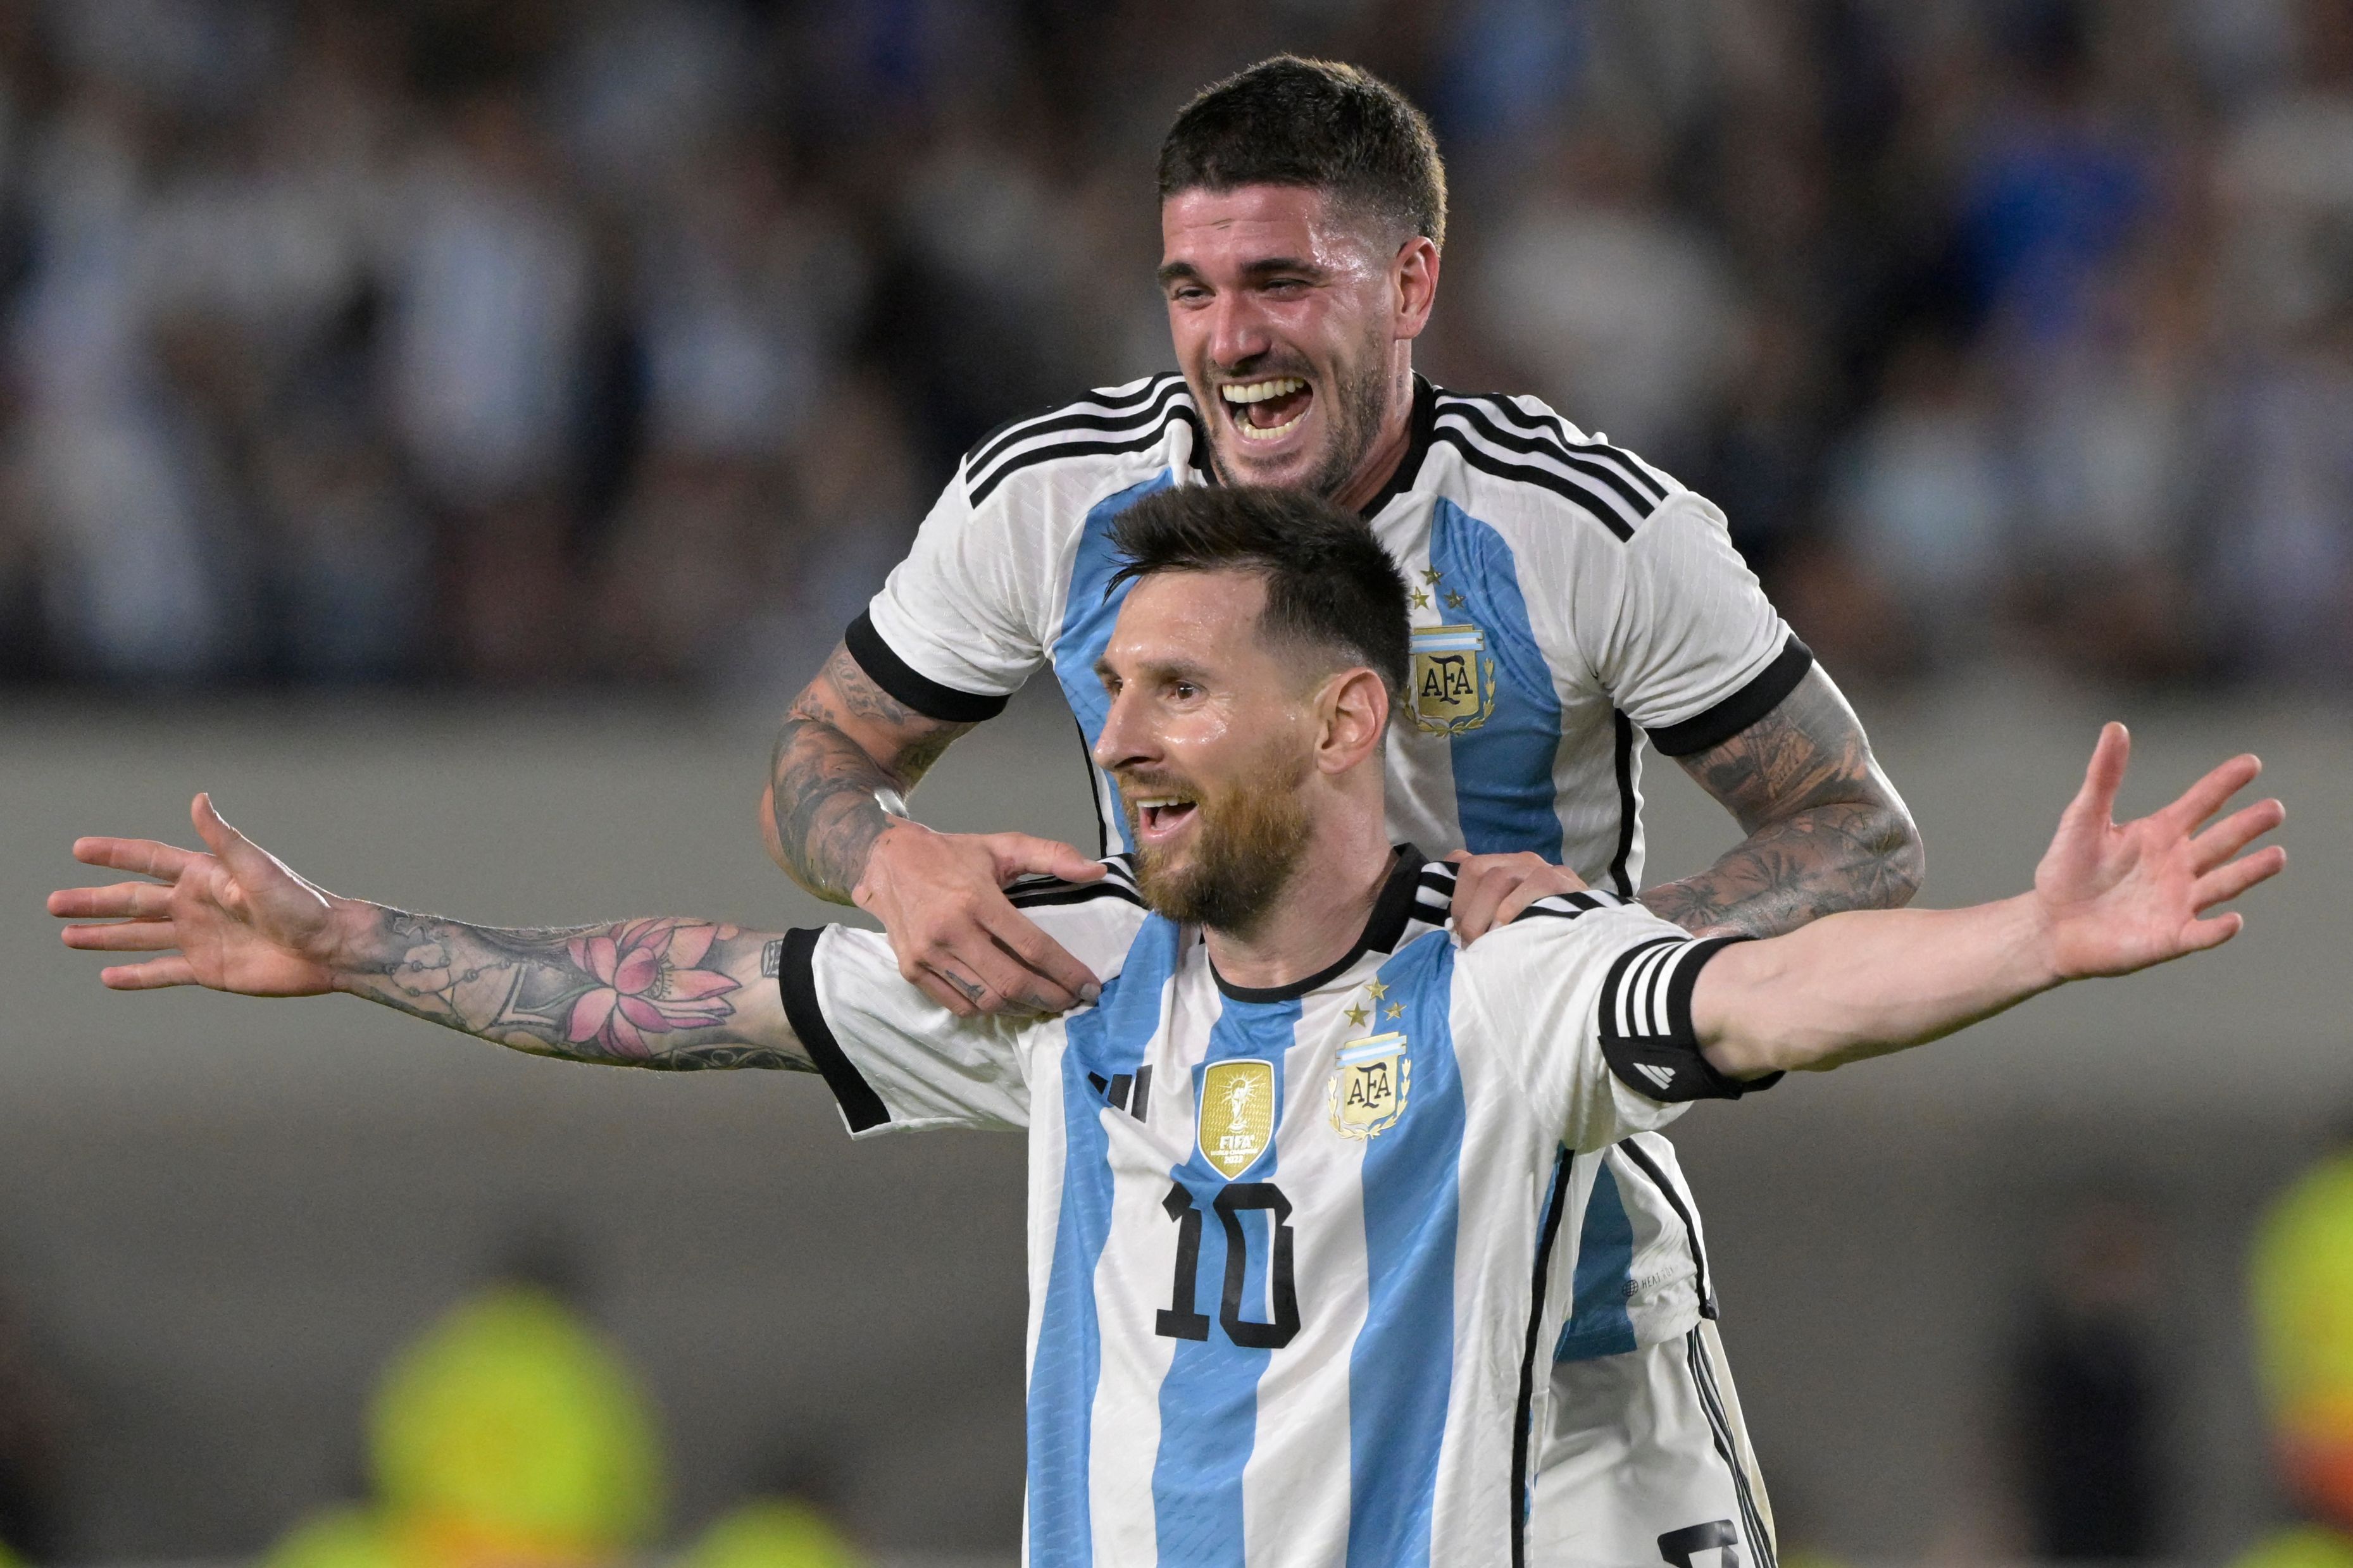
(1172, 271)
(1163, 670)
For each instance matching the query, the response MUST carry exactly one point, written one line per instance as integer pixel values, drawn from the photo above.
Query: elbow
(1904, 856)
(770, 839)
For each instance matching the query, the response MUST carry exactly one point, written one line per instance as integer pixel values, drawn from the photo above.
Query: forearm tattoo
(1826, 829)
(828, 791)
(660, 993)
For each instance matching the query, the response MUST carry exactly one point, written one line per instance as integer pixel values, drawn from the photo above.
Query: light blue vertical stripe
(1087, 617)
(1109, 1038)
(1502, 770)
(1208, 1401)
(1598, 1323)
(1403, 1363)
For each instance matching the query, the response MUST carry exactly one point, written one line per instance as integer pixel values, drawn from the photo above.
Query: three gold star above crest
(1430, 574)
(1396, 1010)
(1377, 989)
(1420, 600)
(1455, 601)
(1357, 1016)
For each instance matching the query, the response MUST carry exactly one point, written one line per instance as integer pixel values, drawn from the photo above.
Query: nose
(1125, 740)
(1237, 331)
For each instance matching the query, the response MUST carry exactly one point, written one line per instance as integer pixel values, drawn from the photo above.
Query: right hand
(235, 920)
(941, 898)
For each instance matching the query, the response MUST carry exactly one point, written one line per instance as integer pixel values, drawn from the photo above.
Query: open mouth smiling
(1267, 410)
(1159, 816)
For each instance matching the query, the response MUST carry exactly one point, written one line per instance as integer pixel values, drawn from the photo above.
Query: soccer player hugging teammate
(1297, 1172)
(1565, 597)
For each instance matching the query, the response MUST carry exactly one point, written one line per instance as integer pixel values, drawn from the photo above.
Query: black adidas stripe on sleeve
(796, 977)
(1646, 1023)
(910, 687)
(1720, 723)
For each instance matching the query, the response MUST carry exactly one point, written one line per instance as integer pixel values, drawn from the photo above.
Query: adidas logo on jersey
(1664, 1076)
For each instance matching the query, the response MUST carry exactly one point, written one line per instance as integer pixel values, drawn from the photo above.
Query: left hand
(1491, 891)
(2113, 898)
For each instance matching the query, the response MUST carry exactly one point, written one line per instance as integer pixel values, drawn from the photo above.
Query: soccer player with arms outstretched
(1567, 598)
(1295, 1172)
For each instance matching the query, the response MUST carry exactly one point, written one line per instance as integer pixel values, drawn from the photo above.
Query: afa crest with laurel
(1369, 1085)
(1453, 680)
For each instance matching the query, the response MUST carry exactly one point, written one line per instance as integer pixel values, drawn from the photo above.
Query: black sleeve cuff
(797, 976)
(1728, 718)
(919, 692)
(1646, 1023)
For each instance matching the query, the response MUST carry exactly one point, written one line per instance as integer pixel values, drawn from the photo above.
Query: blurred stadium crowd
(510, 343)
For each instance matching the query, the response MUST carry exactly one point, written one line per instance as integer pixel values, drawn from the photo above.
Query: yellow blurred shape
(511, 1433)
(2306, 1546)
(772, 1533)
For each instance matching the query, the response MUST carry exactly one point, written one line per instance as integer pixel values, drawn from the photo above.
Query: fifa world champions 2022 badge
(1453, 679)
(1374, 1075)
(1234, 1122)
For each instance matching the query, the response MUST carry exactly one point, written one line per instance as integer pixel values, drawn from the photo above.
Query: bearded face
(1217, 856)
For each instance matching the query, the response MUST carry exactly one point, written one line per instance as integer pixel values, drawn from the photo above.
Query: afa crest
(1369, 1085)
(1234, 1121)
(1453, 679)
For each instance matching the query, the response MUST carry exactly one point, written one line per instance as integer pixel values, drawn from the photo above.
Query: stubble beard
(1359, 404)
(1246, 848)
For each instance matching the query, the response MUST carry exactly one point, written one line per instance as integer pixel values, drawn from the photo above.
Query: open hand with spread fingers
(2119, 896)
(234, 920)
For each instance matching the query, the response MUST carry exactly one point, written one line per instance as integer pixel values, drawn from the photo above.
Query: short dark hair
(1329, 583)
(1292, 122)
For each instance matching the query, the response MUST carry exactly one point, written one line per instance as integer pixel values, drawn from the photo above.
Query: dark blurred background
(449, 430)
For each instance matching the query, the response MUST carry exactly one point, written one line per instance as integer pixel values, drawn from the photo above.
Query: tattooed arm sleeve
(677, 995)
(846, 757)
(1826, 829)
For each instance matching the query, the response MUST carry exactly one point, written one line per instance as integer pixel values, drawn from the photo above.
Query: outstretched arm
(834, 818)
(678, 995)
(2107, 899)
(1826, 829)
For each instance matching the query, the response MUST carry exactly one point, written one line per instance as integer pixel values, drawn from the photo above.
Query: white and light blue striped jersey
(1289, 1249)
(1568, 598)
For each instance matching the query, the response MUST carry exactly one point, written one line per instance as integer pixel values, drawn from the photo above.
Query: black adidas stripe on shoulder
(1569, 906)
(1550, 425)
(1118, 881)
(1102, 425)
(1595, 485)
(1126, 399)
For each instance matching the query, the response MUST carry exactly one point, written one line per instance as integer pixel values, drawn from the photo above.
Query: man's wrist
(2037, 942)
(897, 829)
(356, 950)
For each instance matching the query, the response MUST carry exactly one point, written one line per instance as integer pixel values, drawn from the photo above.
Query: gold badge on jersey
(1453, 679)
(1369, 1085)
(1235, 1119)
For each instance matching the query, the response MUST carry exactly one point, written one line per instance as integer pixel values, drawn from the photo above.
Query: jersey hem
(909, 686)
(1727, 719)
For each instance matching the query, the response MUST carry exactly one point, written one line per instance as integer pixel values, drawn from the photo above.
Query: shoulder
(1110, 429)
(1116, 885)
(1569, 939)
(1515, 455)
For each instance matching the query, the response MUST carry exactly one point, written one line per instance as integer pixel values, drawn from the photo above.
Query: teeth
(1159, 803)
(1260, 391)
(1273, 433)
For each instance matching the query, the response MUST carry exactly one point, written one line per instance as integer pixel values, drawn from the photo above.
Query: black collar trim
(1391, 911)
(1417, 446)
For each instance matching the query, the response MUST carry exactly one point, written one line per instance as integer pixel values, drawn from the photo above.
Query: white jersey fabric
(1567, 597)
(1289, 1251)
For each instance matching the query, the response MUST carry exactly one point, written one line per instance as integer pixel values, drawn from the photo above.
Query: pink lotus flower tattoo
(650, 986)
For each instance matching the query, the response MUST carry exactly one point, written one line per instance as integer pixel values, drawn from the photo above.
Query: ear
(1354, 710)
(1413, 277)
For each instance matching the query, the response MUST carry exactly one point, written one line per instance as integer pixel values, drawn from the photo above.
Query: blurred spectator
(345, 343)
(2300, 1290)
(2089, 1405)
(509, 1436)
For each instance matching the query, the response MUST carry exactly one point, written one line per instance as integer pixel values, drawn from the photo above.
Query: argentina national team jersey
(1567, 598)
(1290, 1270)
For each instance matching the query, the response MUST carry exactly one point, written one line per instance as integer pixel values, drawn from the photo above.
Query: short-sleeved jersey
(1566, 595)
(1290, 1250)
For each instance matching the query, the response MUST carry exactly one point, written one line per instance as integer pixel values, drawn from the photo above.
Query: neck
(1321, 912)
(1388, 448)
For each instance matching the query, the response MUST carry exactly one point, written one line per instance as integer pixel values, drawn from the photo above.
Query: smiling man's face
(1211, 738)
(1290, 322)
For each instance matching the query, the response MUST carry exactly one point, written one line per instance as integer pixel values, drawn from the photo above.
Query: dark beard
(1249, 846)
(1359, 404)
